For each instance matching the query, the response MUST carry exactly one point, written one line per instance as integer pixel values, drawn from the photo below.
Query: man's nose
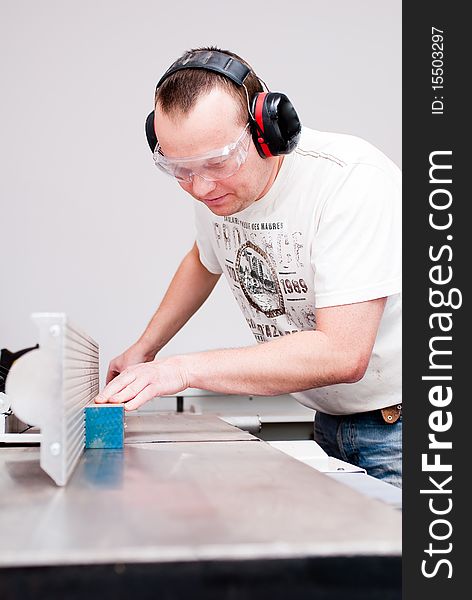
(201, 187)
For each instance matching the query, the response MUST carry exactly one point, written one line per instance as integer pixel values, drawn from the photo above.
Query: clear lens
(212, 166)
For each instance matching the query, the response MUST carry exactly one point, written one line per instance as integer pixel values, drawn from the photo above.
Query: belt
(391, 414)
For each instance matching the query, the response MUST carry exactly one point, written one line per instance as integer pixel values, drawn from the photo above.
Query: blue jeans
(365, 440)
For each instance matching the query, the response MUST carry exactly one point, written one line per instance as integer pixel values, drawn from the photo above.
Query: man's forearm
(297, 362)
(338, 351)
(188, 290)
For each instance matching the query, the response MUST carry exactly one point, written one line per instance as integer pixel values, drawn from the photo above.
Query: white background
(88, 226)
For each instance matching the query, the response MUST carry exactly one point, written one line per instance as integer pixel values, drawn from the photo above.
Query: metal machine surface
(222, 495)
(189, 498)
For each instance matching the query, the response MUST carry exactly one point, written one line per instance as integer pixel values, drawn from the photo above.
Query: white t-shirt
(327, 233)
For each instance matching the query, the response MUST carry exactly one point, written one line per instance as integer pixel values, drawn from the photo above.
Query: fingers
(130, 391)
(112, 373)
(115, 386)
(148, 393)
(144, 381)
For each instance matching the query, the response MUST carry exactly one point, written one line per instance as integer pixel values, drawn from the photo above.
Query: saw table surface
(223, 494)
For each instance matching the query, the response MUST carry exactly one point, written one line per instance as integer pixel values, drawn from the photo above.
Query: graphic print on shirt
(258, 279)
(270, 275)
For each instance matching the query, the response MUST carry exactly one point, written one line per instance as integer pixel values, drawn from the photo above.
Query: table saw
(190, 506)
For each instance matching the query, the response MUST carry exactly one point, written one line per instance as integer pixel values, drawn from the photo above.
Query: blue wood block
(104, 426)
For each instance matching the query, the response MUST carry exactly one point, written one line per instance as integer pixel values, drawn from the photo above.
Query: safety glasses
(211, 166)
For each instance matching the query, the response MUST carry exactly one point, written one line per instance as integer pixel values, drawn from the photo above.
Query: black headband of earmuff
(210, 60)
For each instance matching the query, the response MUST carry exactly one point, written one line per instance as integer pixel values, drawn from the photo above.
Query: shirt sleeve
(356, 251)
(205, 237)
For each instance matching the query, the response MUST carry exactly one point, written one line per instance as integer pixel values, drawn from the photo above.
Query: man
(308, 236)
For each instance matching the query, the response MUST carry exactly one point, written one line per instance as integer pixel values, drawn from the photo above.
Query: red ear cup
(257, 112)
(275, 124)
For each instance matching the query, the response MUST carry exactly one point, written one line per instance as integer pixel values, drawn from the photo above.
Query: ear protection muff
(275, 125)
(151, 132)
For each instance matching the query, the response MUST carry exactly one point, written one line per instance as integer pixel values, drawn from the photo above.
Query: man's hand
(134, 355)
(139, 383)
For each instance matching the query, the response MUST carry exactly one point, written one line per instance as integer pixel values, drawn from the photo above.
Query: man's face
(212, 124)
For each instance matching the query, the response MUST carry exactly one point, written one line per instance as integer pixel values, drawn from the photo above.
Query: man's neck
(273, 175)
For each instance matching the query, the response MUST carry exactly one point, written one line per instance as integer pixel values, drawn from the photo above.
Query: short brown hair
(180, 92)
